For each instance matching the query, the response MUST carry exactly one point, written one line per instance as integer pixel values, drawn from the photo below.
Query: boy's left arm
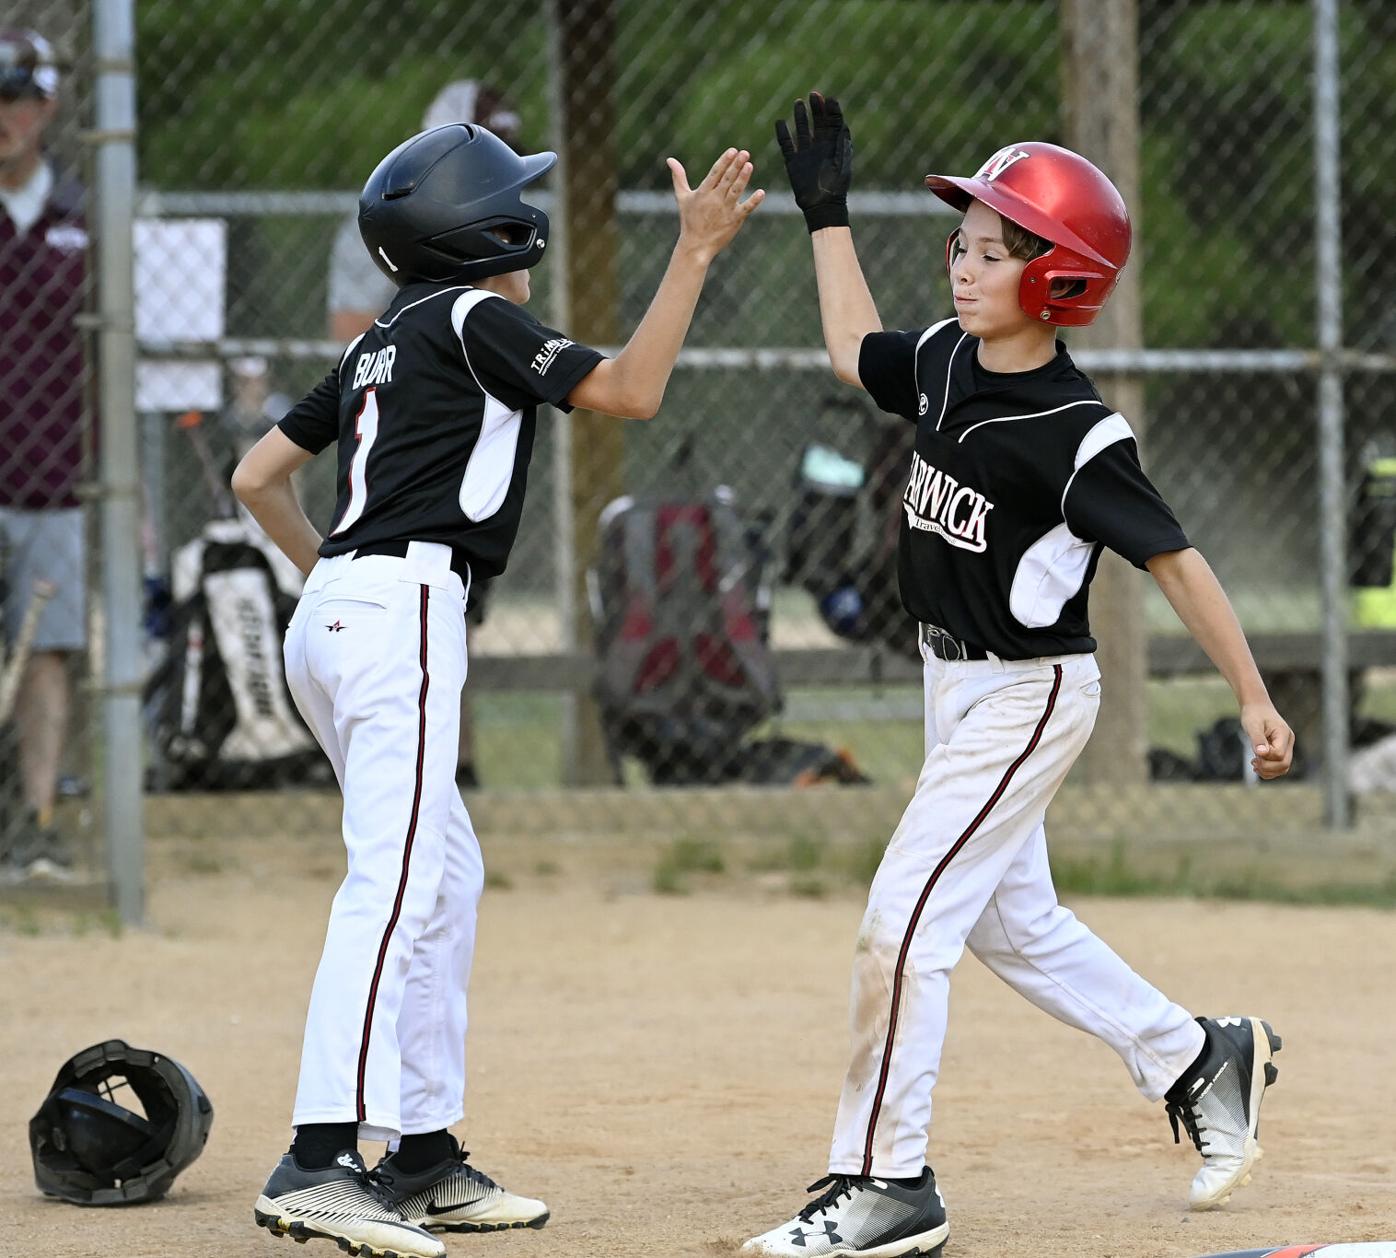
(1189, 584)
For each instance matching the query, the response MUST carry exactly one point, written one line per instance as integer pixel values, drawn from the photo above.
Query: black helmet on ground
(447, 206)
(94, 1147)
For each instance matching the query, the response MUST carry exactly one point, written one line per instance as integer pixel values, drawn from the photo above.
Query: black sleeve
(887, 368)
(520, 361)
(1111, 501)
(313, 422)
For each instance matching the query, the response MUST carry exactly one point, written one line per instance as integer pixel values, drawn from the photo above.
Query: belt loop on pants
(945, 646)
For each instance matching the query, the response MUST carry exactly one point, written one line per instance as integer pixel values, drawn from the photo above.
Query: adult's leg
(41, 716)
(46, 546)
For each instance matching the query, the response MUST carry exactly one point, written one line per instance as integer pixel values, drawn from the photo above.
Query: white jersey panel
(491, 465)
(1053, 568)
(1111, 429)
(1049, 573)
(490, 468)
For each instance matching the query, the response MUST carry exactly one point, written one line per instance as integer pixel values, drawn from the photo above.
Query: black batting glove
(819, 161)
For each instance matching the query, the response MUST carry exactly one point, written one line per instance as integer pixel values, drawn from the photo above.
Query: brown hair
(1021, 243)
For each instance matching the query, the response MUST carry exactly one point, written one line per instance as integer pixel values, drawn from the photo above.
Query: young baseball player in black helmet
(1019, 477)
(432, 411)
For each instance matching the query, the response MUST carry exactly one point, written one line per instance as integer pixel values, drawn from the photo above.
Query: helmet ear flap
(1034, 288)
(1091, 284)
(950, 247)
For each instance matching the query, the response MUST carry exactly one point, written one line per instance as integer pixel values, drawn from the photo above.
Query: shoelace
(382, 1179)
(837, 1186)
(474, 1173)
(1189, 1115)
(378, 1185)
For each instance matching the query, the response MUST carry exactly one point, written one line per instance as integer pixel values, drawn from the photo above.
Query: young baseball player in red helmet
(1020, 476)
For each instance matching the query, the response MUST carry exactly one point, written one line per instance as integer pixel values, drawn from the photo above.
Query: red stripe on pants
(921, 904)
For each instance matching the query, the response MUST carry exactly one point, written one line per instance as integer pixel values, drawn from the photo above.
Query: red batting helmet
(1058, 195)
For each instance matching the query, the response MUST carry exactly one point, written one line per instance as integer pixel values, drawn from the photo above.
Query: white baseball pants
(375, 659)
(968, 864)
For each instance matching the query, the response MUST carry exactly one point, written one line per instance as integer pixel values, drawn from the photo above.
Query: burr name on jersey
(375, 367)
(935, 502)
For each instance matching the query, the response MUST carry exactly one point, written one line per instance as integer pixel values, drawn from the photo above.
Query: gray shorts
(47, 546)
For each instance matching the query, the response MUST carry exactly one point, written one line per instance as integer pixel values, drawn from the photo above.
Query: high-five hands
(819, 161)
(711, 214)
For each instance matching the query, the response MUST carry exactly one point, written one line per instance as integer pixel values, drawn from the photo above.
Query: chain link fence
(259, 120)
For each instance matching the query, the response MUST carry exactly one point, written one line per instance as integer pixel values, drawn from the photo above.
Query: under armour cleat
(453, 1196)
(863, 1216)
(342, 1203)
(1218, 1105)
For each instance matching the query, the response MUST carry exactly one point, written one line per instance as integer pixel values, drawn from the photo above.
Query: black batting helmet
(447, 205)
(91, 1149)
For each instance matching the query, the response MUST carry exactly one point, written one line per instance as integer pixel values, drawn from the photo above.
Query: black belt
(459, 564)
(945, 646)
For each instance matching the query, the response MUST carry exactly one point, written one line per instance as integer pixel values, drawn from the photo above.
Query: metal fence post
(1332, 482)
(115, 178)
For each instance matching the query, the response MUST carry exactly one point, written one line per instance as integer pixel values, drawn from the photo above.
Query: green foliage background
(242, 94)
(237, 95)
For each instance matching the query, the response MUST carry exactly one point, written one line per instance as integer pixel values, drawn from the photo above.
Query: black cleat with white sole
(1218, 1105)
(862, 1216)
(454, 1196)
(342, 1203)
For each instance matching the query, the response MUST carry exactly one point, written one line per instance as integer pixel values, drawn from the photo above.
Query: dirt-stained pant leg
(1001, 737)
(1046, 954)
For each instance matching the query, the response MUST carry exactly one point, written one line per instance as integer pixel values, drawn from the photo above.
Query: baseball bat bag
(220, 712)
(681, 600)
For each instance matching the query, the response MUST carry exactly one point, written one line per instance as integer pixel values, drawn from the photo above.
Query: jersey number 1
(365, 433)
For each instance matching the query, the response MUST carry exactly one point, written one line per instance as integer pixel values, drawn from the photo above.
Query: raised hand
(711, 214)
(819, 161)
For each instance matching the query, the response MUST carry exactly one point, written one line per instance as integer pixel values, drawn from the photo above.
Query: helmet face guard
(1058, 195)
(447, 206)
(91, 1149)
(503, 243)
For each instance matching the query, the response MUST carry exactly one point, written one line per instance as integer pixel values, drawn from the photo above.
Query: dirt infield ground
(663, 1069)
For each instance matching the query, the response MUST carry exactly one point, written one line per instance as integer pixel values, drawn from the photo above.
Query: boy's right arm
(819, 161)
(632, 384)
(846, 307)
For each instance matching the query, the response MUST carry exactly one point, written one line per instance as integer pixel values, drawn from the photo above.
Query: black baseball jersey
(434, 408)
(1017, 481)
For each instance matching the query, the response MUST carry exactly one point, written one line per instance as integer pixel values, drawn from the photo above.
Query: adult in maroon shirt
(43, 260)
